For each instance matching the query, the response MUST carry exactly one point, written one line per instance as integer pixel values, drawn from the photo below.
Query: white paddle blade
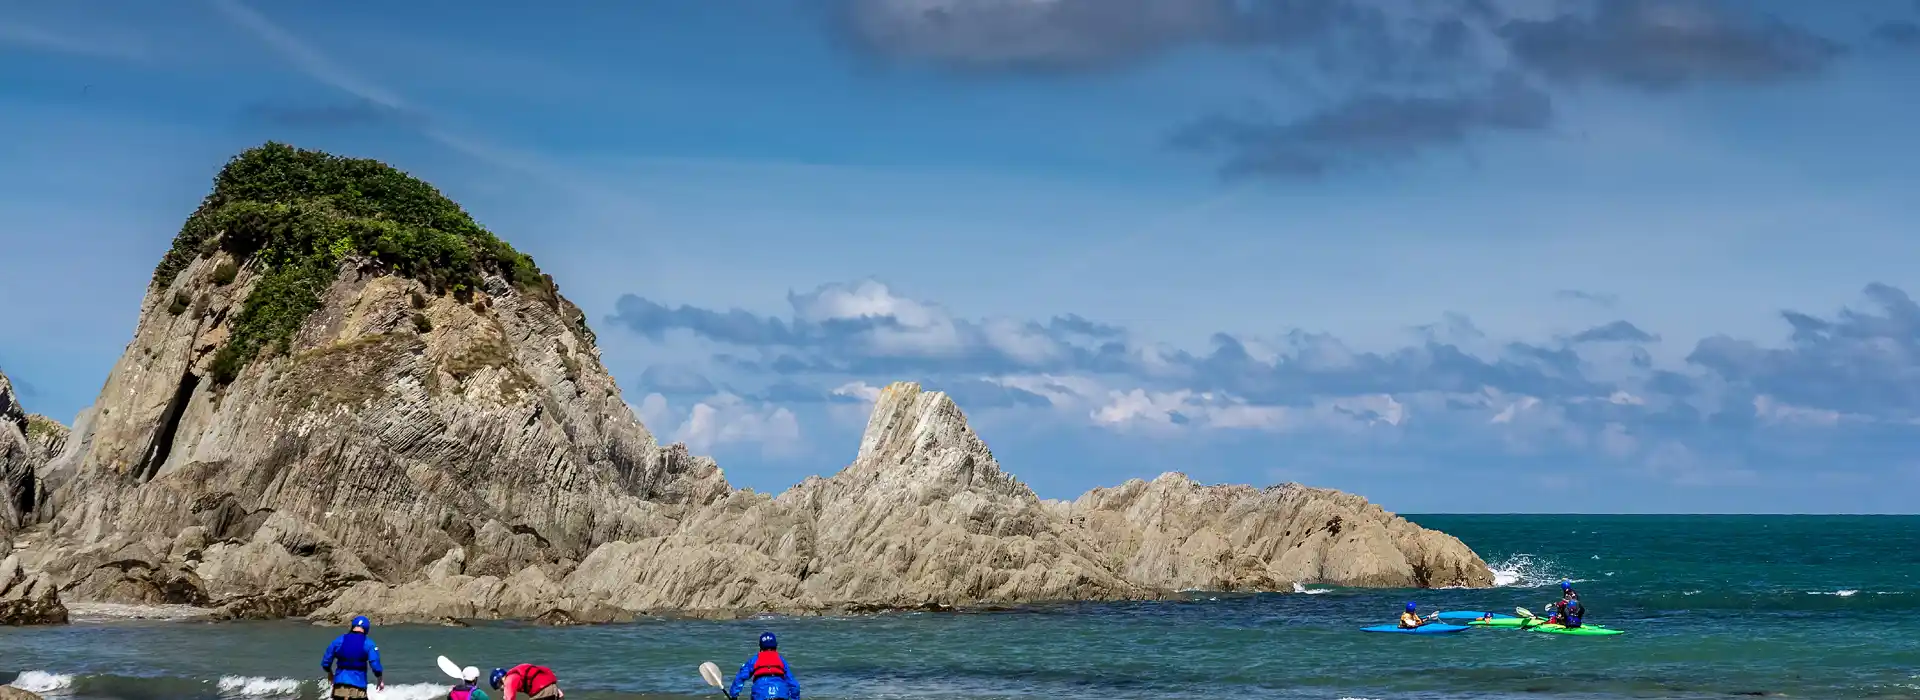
(447, 666)
(1523, 612)
(711, 673)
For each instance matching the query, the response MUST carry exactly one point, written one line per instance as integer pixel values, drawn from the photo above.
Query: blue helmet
(363, 623)
(499, 675)
(1410, 607)
(767, 641)
(1566, 585)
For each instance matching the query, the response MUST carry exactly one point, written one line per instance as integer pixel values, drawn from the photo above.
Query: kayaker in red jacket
(526, 681)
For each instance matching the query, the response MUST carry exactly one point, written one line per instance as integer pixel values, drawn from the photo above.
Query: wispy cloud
(323, 68)
(1602, 299)
(1391, 81)
(16, 33)
(331, 115)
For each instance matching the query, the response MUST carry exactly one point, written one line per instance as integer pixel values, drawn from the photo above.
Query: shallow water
(1714, 606)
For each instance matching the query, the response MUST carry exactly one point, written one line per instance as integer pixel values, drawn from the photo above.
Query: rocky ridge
(25, 598)
(416, 425)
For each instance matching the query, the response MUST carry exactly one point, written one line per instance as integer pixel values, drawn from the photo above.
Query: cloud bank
(1389, 81)
(1732, 409)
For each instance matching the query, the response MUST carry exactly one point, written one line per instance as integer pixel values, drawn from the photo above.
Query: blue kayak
(1472, 615)
(1423, 629)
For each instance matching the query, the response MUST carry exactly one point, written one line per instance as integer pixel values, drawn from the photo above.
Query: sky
(1453, 255)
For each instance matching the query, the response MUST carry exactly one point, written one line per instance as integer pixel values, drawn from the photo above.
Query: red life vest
(533, 679)
(768, 663)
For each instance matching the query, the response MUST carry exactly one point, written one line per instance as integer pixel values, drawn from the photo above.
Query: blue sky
(1455, 255)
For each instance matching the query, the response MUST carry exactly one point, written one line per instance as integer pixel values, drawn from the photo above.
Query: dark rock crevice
(162, 444)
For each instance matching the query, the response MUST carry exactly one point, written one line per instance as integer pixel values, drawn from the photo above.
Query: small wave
(1842, 593)
(1690, 593)
(42, 682)
(1297, 588)
(1523, 571)
(411, 691)
(257, 687)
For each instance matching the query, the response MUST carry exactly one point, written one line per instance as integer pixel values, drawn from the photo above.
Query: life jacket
(533, 679)
(461, 692)
(353, 652)
(768, 663)
(1572, 611)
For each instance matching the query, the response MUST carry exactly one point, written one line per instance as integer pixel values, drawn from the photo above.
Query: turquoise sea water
(1714, 607)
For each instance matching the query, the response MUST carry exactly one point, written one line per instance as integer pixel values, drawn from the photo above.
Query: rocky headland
(344, 396)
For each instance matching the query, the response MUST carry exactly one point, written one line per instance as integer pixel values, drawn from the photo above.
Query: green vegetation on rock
(39, 425)
(294, 215)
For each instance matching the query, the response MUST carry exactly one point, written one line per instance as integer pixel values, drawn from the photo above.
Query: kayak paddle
(447, 666)
(711, 673)
(1527, 618)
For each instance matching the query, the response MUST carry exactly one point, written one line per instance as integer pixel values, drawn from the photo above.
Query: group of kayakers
(1566, 612)
(351, 657)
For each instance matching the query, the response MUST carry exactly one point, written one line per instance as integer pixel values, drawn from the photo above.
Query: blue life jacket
(1573, 612)
(353, 652)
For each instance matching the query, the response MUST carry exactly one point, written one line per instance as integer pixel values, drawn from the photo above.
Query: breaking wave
(1524, 571)
(42, 682)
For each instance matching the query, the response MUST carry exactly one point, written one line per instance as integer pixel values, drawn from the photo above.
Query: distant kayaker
(526, 681)
(768, 672)
(349, 658)
(1411, 619)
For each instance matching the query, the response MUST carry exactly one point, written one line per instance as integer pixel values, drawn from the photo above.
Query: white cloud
(859, 390)
(724, 419)
(1772, 410)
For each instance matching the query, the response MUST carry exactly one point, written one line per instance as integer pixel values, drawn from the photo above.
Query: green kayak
(1535, 625)
(1583, 630)
(1500, 622)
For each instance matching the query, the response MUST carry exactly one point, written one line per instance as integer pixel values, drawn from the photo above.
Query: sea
(1713, 607)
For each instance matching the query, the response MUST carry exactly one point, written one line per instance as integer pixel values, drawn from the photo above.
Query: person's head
(470, 674)
(768, 642)
(360, 624)
(499, 676)
(1411, 607)
(1566, 588)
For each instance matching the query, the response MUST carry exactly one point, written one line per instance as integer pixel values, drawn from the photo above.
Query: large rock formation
(343, 396)
(25, 598)
(25, 443)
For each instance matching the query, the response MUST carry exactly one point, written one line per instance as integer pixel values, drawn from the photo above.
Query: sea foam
(42, 682)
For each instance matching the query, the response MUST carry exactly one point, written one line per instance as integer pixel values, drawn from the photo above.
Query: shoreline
(99, 613)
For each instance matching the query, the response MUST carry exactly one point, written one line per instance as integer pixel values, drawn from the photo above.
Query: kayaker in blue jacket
(349, 658)
(768, 672)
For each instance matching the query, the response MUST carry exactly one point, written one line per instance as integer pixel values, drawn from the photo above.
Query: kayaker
(469, 686)
(1568, 612)
(526, 681)
(349, 658)
(1568, 609)
(1410, 619)
(768, 672)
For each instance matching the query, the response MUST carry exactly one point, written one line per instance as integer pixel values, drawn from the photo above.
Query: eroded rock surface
(415, 450)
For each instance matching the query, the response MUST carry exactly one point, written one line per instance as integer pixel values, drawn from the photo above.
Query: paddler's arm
(326, 660)
(373, 662)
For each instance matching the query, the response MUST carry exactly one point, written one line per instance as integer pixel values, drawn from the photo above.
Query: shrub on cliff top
(295, 214)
